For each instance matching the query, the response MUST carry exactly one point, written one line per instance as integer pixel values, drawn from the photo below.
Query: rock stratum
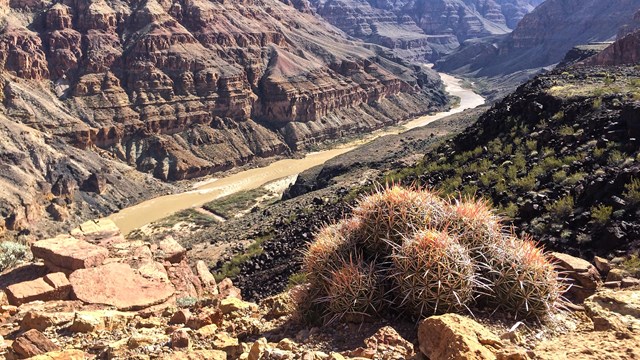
(96, 94)
(423, 29)
(543, 37)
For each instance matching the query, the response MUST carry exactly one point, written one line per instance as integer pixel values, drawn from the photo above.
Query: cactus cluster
(423, 255)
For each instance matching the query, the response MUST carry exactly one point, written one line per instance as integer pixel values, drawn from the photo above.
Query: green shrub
(632, 195)
(562, 208)
(601, 214)
(12, 253)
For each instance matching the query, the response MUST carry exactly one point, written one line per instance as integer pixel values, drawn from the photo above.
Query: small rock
(207, 316)
(231, 305)
(455, 337)
(629, 282)
(226, 289)
(617, 275)
(198, 355)
(207, 278)
(41, 320)
(180, 339)
(207, 330)
(150, 323)
(257, 349)
(602, 264)
(92, 321)
(287, 344)
(180, 317)
(278, 305)
(171, 250)
(585, 276)
(230, 345)
(32, 343)
(387, 341)
(138, 340)
(38, 289)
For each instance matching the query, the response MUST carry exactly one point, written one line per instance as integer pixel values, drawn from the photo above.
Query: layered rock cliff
(543, 37)
(624, 51)
(180, 89)
(402, 25)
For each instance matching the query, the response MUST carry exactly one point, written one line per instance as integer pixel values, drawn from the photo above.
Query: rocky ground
(92, 294)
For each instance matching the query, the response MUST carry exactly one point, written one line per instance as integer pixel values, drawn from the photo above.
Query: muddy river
(157, 208)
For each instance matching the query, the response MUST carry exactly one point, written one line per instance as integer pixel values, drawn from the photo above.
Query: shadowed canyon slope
(176, 89)
(543, 37)
(423, 29)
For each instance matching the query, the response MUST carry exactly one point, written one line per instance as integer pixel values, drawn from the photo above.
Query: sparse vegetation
(231, 268)
(563, 207)
(231, 205)
(632, 193)
(601, 214)
(12, 253)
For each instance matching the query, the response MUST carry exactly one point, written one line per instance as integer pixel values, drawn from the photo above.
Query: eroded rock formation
(423, 29)
(177, 89)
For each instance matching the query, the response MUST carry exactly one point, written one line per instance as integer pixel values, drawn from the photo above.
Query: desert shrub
(425, 256)
(601, 214)
(563, 207)
(11, 253)
(632, 193)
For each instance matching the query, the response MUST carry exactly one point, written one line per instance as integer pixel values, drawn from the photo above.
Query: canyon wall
(178, 89)
(423, 29)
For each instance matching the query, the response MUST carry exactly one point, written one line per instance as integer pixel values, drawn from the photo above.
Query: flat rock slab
(51, 287)
(120, 286)
(67, 252)
(96, 230)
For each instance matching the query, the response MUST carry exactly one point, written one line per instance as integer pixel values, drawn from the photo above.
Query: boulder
(32, 343)
(66, 252)
(118, 285)
(583, 276)
(455, 337)
(171, 250)
(39, 289)
(618, 310)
